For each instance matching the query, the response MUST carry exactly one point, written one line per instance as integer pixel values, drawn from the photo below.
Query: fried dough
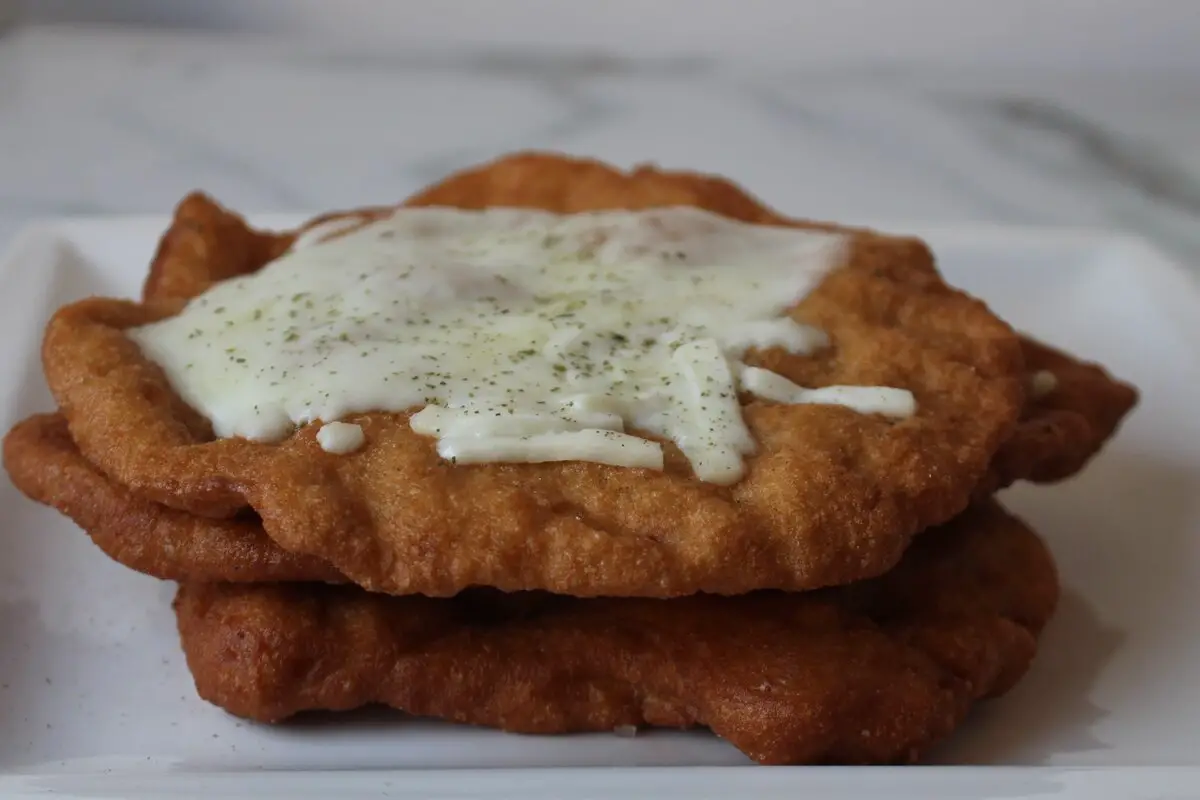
(153, 539)
(1058, 433)
(1061, 430)
(875, 672)
(831, 497)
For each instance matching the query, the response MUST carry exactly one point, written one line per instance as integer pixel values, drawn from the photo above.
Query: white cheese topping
(1042, 383)
(340, 437)
(894, 403)
(526, 336)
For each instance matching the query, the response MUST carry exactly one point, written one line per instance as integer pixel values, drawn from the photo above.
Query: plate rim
(629, 783)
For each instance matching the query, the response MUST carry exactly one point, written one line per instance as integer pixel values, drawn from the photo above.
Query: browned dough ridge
(832, 496)
(875, 672)
(145, 536)
(1061, 431)
(1057, 435)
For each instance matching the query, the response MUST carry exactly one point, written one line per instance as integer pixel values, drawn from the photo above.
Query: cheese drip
(520, 335)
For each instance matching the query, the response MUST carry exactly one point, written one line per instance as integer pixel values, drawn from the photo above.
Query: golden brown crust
(1057, 434)
(1060, 431)
(44, 464)
(869, 673)
(833, 496)
(203, 233)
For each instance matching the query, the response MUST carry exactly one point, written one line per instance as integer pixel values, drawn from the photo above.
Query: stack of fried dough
(847, 601)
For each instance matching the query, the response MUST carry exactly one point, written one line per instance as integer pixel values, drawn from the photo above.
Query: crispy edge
(762, 532)
(195, 226)
(1059, 433)
(46, 466)
(198, 221)
(870, 673)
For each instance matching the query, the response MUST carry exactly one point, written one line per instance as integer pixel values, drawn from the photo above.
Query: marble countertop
(110, 121)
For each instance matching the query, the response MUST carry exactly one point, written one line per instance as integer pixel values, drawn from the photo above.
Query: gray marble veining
(109, 121)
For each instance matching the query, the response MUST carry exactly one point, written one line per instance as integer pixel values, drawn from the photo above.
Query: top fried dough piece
(831, 497)
(1057, 434)
(1060, 431)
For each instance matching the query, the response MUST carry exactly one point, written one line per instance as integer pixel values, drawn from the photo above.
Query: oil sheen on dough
(524, 335)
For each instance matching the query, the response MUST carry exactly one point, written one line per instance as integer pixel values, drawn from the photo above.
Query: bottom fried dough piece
(1059, 431)
(874, 672)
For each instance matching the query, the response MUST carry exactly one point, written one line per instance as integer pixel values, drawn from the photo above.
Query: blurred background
(1032, 112)
(1143, 35)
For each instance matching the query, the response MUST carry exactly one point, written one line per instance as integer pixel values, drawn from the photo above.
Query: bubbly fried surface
(1057, 434)
(869, 673)
(832, 496)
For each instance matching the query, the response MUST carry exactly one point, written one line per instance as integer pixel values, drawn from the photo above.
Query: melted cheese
(340, 437)
(521, 335)
(1042, 383)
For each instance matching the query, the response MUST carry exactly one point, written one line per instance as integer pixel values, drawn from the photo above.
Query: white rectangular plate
(95, 699)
